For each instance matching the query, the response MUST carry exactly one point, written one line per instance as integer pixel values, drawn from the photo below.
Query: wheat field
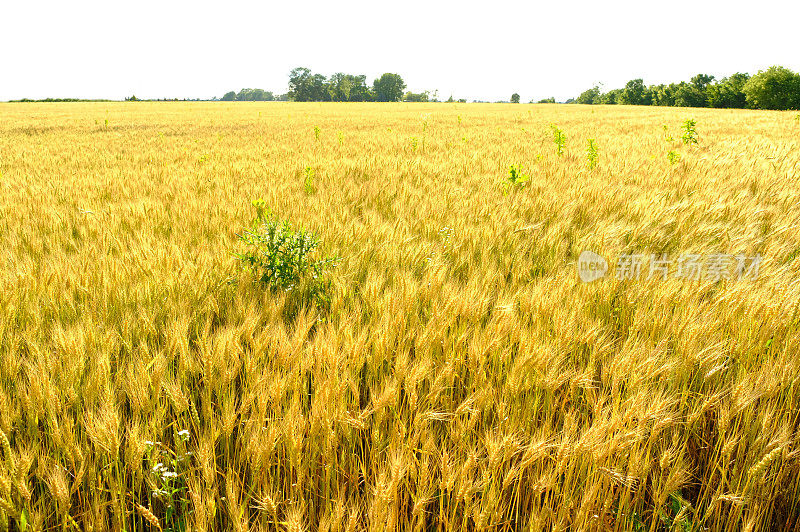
(462, 376)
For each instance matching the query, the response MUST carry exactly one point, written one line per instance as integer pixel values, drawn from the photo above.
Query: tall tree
(663, 95)
(729, 92)
(300, 89)
(590, 96)
(389, 88)
(775, 88)
(339, 87)
(359, 91)
(690, 95)
(633, 93)
(701, 81)
(319, 88)
(613, 96)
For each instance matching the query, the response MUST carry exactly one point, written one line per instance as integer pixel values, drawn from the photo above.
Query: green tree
(229, 97)
(339, 87)
(663, 95)
(416, 97)
(359, 90)
(515, 98)
(633, 93)
(318, 87)
(389, 88)
(254, 95)
(729, 92)
(694, 93)
(300, 85)
(702, 81)
(590, 96)
(775, 88)
(689, 95)
(611, 97)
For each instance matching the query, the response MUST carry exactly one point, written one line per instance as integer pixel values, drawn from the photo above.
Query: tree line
(306, 86)
(774, 88)
(56, 100)
(253, 95)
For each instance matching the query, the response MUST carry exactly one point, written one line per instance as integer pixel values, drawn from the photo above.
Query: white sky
(486, 51)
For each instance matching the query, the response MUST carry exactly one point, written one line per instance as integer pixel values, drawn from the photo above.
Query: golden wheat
(462, 378)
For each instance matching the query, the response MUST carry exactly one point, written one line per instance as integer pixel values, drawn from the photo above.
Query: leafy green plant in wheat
(308, 180)
(516, 178)
(284, 258)
(689, 129)
(560, 139)
(591, 153)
